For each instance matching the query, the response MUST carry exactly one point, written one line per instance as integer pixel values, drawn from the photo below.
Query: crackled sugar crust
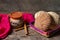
(55, 16)
(42, 21)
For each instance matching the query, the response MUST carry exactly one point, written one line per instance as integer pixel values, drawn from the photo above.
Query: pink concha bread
(42, 20)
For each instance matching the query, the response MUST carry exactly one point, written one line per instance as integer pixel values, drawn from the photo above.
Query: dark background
(7, 6)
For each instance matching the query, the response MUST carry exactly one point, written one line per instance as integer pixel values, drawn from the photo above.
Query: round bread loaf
(44, 21)
(38, 13)
(55, 16)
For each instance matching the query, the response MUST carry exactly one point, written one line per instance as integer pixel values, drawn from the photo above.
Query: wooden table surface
(7, 6)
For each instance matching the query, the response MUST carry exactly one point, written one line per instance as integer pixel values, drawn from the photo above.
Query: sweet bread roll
(44, 21)
(38, 13)
(55, 16)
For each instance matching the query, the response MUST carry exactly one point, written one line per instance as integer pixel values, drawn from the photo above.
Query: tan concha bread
(38, 13)
(44, 21)
(55, 16)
